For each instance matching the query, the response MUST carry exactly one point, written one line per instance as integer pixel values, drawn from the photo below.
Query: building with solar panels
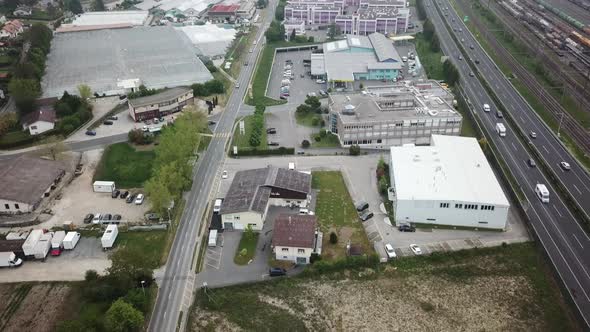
(253, 191)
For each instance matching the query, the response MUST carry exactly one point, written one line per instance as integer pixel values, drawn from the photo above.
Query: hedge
(265, 152)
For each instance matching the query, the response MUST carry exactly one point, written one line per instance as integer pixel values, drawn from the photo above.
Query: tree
(157, 190)
(310, 39)
(25, 70)
(293, 35)
(91, 275)
(74, 6)
(354, 150)
(450, 73)
(303, 109)
(7, 120)
(334, 31)
(314, 103)
(173, 178)
(122, 317)
(85, 92)
(136, 136)
(333, 238)
(138, 299)
(54, 148)
(323, 133)
(383, 185)
(98, 6)
(305, 144)
(24, 92)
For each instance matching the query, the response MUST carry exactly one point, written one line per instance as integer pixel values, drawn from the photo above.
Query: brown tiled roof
(44, 113)
(25, 179)
(294, 230)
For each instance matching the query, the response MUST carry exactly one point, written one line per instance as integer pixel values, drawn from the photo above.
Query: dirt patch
(207, 321)
(40, 309)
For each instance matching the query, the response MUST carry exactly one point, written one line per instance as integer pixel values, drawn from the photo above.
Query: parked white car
(415, 249)
(139, 199)
(390, 252)
(224, 174)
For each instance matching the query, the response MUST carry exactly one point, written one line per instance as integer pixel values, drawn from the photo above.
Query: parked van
(542, 192)
(212, 238)
(217, 205)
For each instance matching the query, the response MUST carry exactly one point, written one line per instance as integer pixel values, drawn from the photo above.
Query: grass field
(329, 141)
(149, 244)
(429, 59)
(307, 119)
(243, 141)
(336, 213)
(489, 289)
(261, 76)
(247, 242)
(123, 164)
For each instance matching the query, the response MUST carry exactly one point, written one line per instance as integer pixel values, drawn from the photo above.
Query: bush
(354, 150)
(305, 144)
(91, 275)
(323, 133)
(315, 122)
(265, 152)
(333, 238)
(383, 185)
(317, 138)
(314, 258)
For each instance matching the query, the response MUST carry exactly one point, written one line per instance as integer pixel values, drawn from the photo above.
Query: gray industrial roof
(384, 48)
(25, 179)
(250, 189)
(159, 56)
(159, 97)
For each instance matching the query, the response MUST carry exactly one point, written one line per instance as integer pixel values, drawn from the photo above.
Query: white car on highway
(415, 249)
(224, 175)
(565, 166)
(390, 252)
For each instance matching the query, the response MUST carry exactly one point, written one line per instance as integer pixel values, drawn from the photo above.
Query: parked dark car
(271, 131)
(366, 215)
(106, 216)
(277, 272)
(130, 198)
(273, 144)
(108, 122)
(124, 194)
(117, 217)
(300, 152)
(88, 218)
(362, 206)
(499, 114)
(152, 217)
(90, 132)
(115, 193)
(406, 228)
(212, 123)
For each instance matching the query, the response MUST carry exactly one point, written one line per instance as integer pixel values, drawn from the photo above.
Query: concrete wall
(12, 207)
(40, 127)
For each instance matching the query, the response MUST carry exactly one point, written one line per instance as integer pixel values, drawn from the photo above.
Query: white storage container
(103, 186)
(31, 242)
(109, 236)
(71, 240)
(58, 239)
(43, 246)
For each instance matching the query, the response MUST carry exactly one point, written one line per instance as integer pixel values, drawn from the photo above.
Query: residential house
(11, 29)
(40, 121)
(295, 238)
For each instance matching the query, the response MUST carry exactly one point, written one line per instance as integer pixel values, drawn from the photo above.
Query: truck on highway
(542, 192)
(9, 259)
(501, 129)
(31, 242)
(57, 243)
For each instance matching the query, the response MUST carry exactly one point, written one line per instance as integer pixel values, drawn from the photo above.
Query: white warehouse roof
(132, 17)
(451, 169)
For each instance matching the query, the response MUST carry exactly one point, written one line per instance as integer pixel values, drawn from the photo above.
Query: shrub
(333, 238)
(317, 138)
(315, 122)
(323, 133)
(314, 258)
(305, 144)
(354, 150)
(265, 152)
(91, 275)
(383, 185)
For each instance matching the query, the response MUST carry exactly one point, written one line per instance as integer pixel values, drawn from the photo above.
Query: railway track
(569, 124)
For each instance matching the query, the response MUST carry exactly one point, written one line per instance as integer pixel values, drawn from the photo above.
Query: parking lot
(70, 265)
(359, 175)
(288, 132)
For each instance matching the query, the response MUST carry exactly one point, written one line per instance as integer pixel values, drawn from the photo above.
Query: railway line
(569, 124)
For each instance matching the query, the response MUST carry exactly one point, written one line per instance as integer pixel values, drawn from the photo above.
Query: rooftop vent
(348, 110)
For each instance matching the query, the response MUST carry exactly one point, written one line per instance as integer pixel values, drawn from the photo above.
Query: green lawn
(248, 243)
(148, 244)
(307, 119)
(126, 166)
(335, 212)
(243, 141)
(329, 141)
(263, 69)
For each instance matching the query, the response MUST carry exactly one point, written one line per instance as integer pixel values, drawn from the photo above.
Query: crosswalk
(221, 135)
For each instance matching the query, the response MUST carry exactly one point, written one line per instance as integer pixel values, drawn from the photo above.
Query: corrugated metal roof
(383, 48)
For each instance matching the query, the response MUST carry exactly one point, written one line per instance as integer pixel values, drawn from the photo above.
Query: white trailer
(103, 186)
(109, 237)
(31, 242)
(8, 259)
(212, 238)
(17, 236)
(71, 240)
(43, 246)
(58, 239)
(500, 129)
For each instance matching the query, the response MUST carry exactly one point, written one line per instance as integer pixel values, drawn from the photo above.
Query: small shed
(103, 186)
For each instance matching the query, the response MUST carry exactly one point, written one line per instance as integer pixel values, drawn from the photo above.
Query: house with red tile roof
(11, 29)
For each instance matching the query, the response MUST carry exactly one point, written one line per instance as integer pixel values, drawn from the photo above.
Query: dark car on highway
(277, 272)
(406, 228)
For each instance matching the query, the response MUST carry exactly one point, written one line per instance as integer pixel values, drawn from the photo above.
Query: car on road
(107, 122)
(531, 163)
(115, 193)
(301, 75)
(486, 107)
(211, 123)
(415, 249)
(113, 117)
(277, 272)
(300, 152)
(224, 174)
(499, 114)
(476, 61)
(406, 228)
(246, 63)
(273, 144)
(471, 74)
(130, 198)
(152, 217)
(97, 218)
(366, 215)
(361, 206)
(311, 94)
(139, 199)
(90, 132)
(390, 251)
(323, 93)
(320, 81)
(566, 166)
(88, 218)
(460, 57)
(237, 85)
(471, 46)
(533, 134)
(271, 130)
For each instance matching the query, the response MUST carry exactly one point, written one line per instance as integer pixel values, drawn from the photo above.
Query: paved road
(175, 293)
(577, 180)
(565, 242)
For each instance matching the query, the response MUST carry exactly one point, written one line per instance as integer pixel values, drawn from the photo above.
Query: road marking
(578, 190)
(556, 210)
(580, 243)
(545, 149)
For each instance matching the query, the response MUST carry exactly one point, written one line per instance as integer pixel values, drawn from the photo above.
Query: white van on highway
(542, 192)
(486, 107)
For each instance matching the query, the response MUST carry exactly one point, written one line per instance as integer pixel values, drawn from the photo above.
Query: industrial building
(253, 191)
(160, 104)
(447, 183)
(356, 58)
(116, 61)
(404, 113)
(26, 181)
(128, 17)
(295, 238)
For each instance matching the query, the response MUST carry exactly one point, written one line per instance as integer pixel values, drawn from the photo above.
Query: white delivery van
(501, 129)
(71, 240)
(109, 237)
(31, 242)
(486, 107)
(542, 192)
(217, 205)
(9, 259)
(212, 238)
(103, 186)
(291, 166)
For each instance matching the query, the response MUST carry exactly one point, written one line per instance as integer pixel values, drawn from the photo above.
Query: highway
(175, 293)
(565, 242)
(577, 180)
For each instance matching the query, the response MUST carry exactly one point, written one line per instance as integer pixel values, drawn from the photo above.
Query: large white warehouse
(449, 182)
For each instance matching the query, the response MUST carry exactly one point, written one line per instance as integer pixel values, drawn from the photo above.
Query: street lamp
(143, 289)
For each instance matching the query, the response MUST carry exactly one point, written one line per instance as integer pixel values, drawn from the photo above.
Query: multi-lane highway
(565, 242)
(576, 181)
(177, 285)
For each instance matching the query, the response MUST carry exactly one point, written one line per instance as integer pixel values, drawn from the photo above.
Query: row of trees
(257, 126)
(172, 166)
(208, 88)
(275, 32)
(25, 86)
